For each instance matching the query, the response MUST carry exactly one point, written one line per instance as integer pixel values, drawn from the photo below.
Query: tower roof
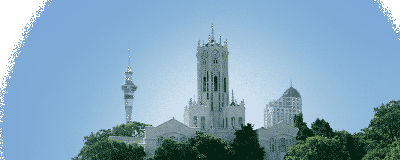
(291, 92)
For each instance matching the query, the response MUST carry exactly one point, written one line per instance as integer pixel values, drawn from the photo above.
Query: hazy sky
(343, 58)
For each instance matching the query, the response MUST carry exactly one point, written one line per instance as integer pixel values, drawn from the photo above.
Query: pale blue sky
(343, 58)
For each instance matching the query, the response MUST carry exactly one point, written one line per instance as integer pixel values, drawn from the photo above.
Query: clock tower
(212, 77)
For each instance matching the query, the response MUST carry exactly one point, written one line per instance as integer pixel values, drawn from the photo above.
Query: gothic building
(212, 112)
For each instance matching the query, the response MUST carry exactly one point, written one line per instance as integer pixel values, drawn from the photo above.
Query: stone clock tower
(212, 112)
(212, 73)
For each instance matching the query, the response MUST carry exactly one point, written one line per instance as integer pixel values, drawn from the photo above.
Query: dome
(291, 92)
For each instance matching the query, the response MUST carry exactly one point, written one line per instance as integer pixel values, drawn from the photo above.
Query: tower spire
(233, 98)
(129, 57)
(212, 33)
(129, 88)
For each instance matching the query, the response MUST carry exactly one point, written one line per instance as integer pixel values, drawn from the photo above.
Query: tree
(170, 150)
(130, 129)
(202, 146)
(304, 132)
(382, 130)
(245, 145)
(209, 147)
(114, 150)
(318, 147)
(394, 151)
(352, 144)
(322, 128)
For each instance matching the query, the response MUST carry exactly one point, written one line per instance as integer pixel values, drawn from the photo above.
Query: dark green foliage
(208, 146)
(202, 146)
(113, 150)
(246, 145)
(382, 130)
(322, 128)
(352, 144)
(130, 129)
(304, 132)
(95, 142)
(394, 151)
(170, 150)
(318, 148)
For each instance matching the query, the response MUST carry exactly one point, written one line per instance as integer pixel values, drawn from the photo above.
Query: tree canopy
(202, 146)
(394, 151)
(171, 150)
(318, 147)
(382, 130)
(304, 132)
(209, 146)
(352, 144)
(322, 128)
(111, 149)
(245, 145)
(99, 142)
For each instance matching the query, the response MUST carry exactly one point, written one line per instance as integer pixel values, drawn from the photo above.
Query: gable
(171, 126)
(281, 129)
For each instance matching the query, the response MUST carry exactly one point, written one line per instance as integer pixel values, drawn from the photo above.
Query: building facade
(283, 109)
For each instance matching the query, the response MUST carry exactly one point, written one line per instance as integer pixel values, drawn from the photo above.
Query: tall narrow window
(224, 84)
(283, 145)
(215, 83)
(240, 121)
(207, 96)
(226, 120)
(203, 122)
(204, 84)
(160, 139)
(212, 107)
(195, 121)
(272, 141)
(233, 122)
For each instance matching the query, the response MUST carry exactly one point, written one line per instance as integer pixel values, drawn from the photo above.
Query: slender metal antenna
(129, 60)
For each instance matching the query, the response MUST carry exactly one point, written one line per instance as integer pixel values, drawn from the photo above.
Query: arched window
(215, 83)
